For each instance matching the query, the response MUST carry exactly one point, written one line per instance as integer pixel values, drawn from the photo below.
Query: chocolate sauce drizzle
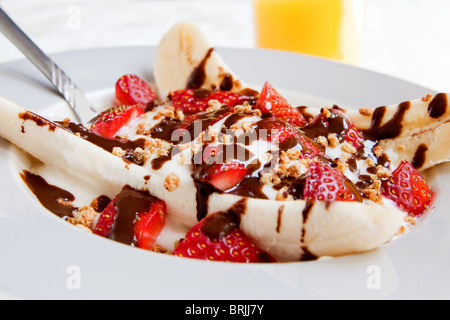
(438, 106)
(198, 75)
(392, 128)
(218, 225)
(102, 142)
(56, 200)
(420, 156)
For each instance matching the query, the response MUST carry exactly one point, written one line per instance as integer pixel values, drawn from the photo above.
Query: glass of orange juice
(326, 28)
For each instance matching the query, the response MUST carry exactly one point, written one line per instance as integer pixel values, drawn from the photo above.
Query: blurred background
(408, 39)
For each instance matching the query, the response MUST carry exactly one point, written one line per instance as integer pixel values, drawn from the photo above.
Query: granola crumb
(65, 123)
(167, 112)
(171, 182)
(118, 152)
(327, 114)
(410, 220)
(366, 111)
(246, 126)
(400, 231)
(427, 98)
(382, 172)
(140, 156)
(378, 151)
(323, 141)
(342, 166)
(64, 203)
(370, 162)
(293, 154)
(244, 108)
(373, 192)
(160, 249)
(333, 140)
(213, 105)
(140, 129)
(83, 216)
(294, 170)
(401, 147)
(265, 178)
(347, 147)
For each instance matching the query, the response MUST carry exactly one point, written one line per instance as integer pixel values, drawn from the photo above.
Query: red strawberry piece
(106, 220)
(408, 189)
(149, 225)
(287, 136)
(133, 218)
(354, 136)
(223, 176)
(131, 90)
(272, 103)
(324, 183)
(218, 238)
(193, 101)
(109, 122)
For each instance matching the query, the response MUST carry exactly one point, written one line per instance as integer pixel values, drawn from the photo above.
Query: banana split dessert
(248, 176)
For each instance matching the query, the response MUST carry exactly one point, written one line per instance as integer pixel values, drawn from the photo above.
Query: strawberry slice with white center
(288, 136)
(131, 90)
(132, 217)
(272, 103)
(223, 176)
(324, 183)
(218, 238)
(408, 189)
(109, 122)
(149, 225)
(193, 101)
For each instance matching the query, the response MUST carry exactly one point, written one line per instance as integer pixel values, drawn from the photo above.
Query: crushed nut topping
(171, 182)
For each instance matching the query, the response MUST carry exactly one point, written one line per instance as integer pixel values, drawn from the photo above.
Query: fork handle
(56, 75)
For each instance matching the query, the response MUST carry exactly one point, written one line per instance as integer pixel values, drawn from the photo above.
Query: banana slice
(185, 59)
(416, 131)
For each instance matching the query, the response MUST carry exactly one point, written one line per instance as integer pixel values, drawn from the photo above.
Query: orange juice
(327, 28)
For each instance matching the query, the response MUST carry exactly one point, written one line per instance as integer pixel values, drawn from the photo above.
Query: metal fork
(80, 104)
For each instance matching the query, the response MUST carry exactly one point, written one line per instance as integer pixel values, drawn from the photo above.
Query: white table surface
(408, 39)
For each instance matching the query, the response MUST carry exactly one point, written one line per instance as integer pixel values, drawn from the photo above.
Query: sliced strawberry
(106, 219)
(132, 217)
(193, 101)
(324, 183)
(287, 136)
(223, 176)
(149, 225)
(354, 136)
(218, 238)
(272, 103)
(109, 122)
(408, 190)
(131, 90)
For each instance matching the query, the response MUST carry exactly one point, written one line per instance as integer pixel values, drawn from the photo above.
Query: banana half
(185, 59)
(288, 230)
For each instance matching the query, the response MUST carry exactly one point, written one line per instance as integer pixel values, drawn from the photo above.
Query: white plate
(43, 257)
